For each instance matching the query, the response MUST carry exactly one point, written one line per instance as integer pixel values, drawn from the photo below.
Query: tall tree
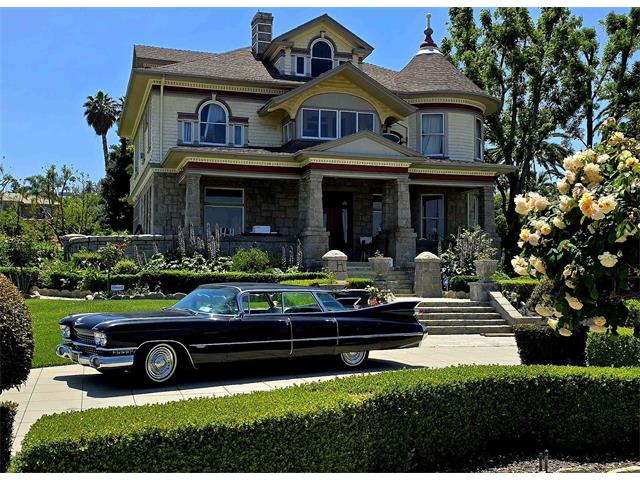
(532, 67)
(101, 112)
(115, 187)
(612, 77)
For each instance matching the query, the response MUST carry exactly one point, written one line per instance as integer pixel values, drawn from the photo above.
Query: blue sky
(52, 58)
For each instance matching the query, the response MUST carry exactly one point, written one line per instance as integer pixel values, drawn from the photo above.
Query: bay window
(432, 217)
(331, 124)
(224, 207)
(433, 140)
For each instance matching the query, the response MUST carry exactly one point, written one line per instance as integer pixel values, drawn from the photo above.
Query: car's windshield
(211, 300)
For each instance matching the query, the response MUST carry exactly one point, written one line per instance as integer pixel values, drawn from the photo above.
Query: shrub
(607, 350)
(460, 283)
(540, 345)
(100, 283)
(354, 282)
(633, 319)
(309, 282)
(23, 278)
(64, 279)
(16, 336)
(126, 267)
(85, 260)
(541, 291)
(521, 287)
(250, 260)
(468, 245)
(8, 412)
(421, 420)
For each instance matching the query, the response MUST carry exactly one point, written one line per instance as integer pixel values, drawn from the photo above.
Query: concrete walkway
(73, 387)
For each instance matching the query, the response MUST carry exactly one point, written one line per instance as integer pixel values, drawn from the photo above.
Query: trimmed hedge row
(307, 283)
(604, 350)
(8, 412)
(523, 287)
(412, 420)
(356, 282)
(540, 345)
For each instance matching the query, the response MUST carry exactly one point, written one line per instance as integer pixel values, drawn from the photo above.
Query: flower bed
(420, 420)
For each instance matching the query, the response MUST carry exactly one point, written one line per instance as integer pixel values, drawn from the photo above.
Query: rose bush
(585, 239)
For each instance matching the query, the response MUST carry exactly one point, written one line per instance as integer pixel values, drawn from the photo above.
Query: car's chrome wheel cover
(161, 363)
(353, 359)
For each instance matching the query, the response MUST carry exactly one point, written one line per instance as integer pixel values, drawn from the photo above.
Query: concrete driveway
(73, 387)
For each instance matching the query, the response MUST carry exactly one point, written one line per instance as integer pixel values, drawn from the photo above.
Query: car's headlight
(101, 339)
(65, 331)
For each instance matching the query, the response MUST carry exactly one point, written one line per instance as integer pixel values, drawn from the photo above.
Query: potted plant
(485, 266)
(380, 264)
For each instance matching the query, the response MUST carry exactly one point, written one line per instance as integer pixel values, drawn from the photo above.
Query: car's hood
(87, 321)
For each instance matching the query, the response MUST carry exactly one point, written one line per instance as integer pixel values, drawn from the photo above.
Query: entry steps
(400, 281)
(451, 317)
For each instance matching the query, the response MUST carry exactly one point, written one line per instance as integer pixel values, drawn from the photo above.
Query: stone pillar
(396, 220)
(314, 237)
(428, 279)
(192, 204)
(335, 261)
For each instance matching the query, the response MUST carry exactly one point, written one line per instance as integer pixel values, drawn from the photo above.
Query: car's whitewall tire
(353, 359)
(160, 363)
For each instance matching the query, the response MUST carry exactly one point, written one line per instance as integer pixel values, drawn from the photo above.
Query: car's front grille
(85, 342)
(85, 338)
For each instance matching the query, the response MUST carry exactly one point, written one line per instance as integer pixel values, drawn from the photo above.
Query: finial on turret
(428, 41)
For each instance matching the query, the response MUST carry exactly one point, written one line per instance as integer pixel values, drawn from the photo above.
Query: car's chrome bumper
(99, 362)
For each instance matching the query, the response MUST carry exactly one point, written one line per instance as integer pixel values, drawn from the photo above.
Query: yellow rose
(520, 266)
(609, 122)
(625, 154)
(559, 223)
(631, 162)
(570, 284)
(597, 329)
(607, 203)
(563, 186)
(596, 213)
(573, 302)
(567, 271)
(616, 138)
(586, 204)
(608, 260)
(540, 203)
(604, 158)
(565, 332)
(592, 173)
(534, 239)
(552, 323)
(600, 321)
(571, 177)
(524, 234)
(545, 229)
(543, 310)
(538, 264)
(522, 205)
(566, 203)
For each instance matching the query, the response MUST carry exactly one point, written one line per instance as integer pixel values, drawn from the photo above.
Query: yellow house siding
(304, 38)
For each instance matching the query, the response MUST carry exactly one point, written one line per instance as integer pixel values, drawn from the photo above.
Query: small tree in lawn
(586, 237)
(110, 255)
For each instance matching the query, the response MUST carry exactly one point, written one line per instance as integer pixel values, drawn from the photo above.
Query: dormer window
(321, 57)
(213, 124)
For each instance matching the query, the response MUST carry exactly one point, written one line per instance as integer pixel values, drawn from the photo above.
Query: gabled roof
(284, 38)
(360, 140)
(355, 76)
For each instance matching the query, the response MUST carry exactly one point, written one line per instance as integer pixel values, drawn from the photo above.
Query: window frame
(443, 134)
(296, 59)
(183, 131)
(330, 59)
(242, 139)
(319, 110)
(423, 217)
(226, 124)
(226, 205)
(472, 196)
(478, 121)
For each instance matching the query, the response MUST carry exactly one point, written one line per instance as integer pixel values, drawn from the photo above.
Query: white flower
(570, 284)
(600, 321)
(543, 310)
(545, 228)
(573, 302)
(534, 239)
(524, 234)
(608, 260)
(603, 158)
(592, 173)
(540, 202)
(566, 203)
(520, 266)
(565, 332)
(522, 205)
(552, 323)
(563, 186)
(571, 177)
(538, 264)
(607, 203)
(616, 138)
(558, 222)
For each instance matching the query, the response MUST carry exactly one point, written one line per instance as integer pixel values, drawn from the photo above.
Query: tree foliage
(115, 187)
(102, 112)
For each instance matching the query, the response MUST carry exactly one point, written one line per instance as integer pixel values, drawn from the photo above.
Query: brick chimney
(261, 33)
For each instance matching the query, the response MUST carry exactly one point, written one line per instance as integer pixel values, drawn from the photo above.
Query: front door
(338, 221)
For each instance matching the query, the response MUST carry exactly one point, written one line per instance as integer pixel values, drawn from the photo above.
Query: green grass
(47, 313)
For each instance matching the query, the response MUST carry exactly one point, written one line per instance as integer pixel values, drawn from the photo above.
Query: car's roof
(247, 286)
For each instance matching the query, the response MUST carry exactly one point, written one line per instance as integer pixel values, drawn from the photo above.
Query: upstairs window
(321, 57)
(352, 122)
(433, 134)
(300, 66)
(478, 150)
(213, 124)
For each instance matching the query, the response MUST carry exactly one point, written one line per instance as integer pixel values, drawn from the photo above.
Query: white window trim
(193, 131)
(473, 197)
(311, 57)
(444, 133)
(481, 138)
(319, 110)
(226, 124)
(225, 205)
(242, 139)
(441, 220)
(304, 65)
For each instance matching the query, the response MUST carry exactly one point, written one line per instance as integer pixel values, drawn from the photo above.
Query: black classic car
(230, 322)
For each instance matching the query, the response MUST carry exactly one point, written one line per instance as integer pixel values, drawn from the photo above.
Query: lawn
(47, 313)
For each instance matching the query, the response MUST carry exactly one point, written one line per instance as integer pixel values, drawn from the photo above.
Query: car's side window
(330, 303)
(256, 303)
(300, 302)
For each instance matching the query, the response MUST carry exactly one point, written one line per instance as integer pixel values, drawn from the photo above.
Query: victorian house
(298, 137)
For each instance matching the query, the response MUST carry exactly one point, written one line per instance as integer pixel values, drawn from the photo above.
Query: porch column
(314, 237)
(396, 211)
(192, 204)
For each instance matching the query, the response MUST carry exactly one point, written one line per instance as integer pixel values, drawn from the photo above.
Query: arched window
(321, 57)
(213, 124)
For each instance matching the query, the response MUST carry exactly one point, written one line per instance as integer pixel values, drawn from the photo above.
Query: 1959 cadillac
(223, 323)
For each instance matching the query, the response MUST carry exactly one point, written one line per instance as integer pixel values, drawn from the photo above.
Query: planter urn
(486, 268)
(380, 265)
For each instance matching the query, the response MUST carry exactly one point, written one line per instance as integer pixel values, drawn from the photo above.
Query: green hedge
(540, 345)
(99, 282)
(355, 282)
(315, 282)
(523, 287)
(460, 283)
(8, 412)
(24, 278)
(420, 420)
(70, 280)
(622, 350)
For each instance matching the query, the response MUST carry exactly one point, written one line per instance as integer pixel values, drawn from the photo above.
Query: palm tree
(102, 112)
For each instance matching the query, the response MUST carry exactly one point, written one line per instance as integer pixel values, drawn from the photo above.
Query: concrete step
(469, 329)
(461, 322)
(459, 316)
(453, 303)
(422, 309)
